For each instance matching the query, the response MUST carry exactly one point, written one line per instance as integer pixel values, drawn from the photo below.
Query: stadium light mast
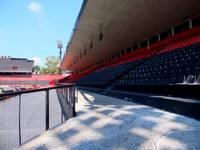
(60, 46)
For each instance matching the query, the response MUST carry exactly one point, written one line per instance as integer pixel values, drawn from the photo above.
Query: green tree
(43, 70)
(52, 63)
(37, 68)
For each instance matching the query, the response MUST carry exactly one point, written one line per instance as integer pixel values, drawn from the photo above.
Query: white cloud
(35, 7)
(36, 60)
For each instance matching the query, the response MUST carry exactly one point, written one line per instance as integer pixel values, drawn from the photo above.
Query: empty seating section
(185, 41)
(102, 78)
(179, 66)
(9, 65)
(169, 44)
(172, 68)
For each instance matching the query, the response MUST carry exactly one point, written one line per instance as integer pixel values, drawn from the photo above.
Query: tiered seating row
(101, 78)
(177, 41)
(172, 72)
(166, 68)
(185, 41)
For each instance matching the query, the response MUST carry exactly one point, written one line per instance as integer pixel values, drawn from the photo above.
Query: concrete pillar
(158, 37)
(190, 23)
(131, 48)
(172, 29)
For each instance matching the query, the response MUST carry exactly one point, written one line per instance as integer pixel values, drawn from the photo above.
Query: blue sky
(30, 29)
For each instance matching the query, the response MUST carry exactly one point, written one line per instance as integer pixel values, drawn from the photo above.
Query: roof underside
(123, 22)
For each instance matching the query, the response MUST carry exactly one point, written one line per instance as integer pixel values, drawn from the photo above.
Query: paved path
(105, 123)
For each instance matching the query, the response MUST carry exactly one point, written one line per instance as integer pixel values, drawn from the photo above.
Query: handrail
(35, 90)
(43, 111)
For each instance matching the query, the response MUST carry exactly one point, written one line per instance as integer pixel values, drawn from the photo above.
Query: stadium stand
(10, 65)
(165, 75)
(168, 67)
(18, 71)
(102, 78)
(175, 64)
(41, 80)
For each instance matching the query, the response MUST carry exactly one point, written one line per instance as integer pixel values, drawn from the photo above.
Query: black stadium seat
(174, 67)
(197, 81)
(190, 79)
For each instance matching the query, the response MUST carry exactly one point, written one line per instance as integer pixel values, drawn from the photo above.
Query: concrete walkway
(105, 123)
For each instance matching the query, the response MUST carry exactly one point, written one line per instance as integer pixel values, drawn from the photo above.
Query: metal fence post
(76, 95)
(20, 139)
(73, 99)
(61, 116)
(47, 109)
(66, 96)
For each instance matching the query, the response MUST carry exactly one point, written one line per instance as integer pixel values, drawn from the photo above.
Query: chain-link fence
(26, 114)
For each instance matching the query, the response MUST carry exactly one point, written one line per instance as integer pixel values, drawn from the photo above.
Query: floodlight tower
(60, 46)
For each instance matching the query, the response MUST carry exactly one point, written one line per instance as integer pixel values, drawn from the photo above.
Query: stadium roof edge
(124, 23)
(77, 21)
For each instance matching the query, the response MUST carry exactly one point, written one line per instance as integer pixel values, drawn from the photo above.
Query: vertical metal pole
(73, 99)
(172, 30)
(148, 44)
(70, 95)
(69, 101)
(61, 113)
(190, 23)
(63, 92)
(60, 59)
(158, 37)
(20, 139)
(47, 109)
(76, 96)
(67, 92)
(61, 117)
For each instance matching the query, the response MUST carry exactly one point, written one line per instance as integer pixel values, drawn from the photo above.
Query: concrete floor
(105, 123)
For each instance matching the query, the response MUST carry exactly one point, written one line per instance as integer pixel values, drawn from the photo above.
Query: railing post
(67, 92)
(76, 95)
(20, 139)
(73, 99)
(61, 116)
(47, 110)
(66, 99)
